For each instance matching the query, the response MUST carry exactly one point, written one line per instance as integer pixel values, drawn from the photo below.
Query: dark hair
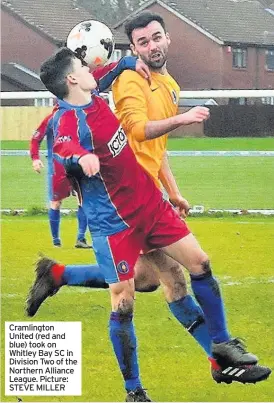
(54, 70)
(141, 21)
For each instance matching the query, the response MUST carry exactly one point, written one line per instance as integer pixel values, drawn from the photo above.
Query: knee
(122, 297)
(146, 279)
(206, 266)
(125, 308)
(200, 265)
(147, 287)
(55, 205)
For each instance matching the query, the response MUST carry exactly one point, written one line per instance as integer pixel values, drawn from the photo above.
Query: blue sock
(84, 275)
(191, 316)
(54, 221)
(208, 294)
(82, 224)
(122, 336)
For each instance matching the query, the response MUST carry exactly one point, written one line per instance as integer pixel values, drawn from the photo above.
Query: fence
(18, 123)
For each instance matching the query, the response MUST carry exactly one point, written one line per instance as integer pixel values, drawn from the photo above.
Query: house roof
(21, 76)
(229, 21)
(54, 18)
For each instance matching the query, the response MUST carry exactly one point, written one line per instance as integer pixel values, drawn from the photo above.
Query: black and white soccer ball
(92, 41)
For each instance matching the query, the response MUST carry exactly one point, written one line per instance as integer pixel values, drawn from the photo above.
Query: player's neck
(161, 70)
(78, 98)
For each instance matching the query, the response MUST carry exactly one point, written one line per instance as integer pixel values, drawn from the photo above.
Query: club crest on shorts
(123, 267)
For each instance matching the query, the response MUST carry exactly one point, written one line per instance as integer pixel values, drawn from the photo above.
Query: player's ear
(132, 48)
(71, 78)
(168, 38)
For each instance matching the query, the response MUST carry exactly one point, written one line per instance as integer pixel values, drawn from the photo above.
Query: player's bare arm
(168, 181)
(157, 128)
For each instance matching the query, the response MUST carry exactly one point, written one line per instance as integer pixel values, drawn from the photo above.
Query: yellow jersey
(136, 103)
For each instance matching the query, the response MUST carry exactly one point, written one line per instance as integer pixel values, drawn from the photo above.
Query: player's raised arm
(107, 74)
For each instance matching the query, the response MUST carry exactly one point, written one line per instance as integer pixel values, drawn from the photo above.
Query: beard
(155, 61)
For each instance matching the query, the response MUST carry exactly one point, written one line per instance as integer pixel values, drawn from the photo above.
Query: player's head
(64, 71)
(149, 39)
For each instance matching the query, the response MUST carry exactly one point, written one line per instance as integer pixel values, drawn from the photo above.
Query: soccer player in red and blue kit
(126, 214)
(58, 184)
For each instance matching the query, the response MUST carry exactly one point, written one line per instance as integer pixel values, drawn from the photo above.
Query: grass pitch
(215, 182)
(173, 367)
(186, 143)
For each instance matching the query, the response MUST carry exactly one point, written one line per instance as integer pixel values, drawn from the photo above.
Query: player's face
(151, 44)
(82, 76)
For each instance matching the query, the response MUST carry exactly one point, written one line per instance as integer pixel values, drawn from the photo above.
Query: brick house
(31, 31)
(218, 44)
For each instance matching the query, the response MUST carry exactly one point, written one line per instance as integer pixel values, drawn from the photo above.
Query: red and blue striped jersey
(104, 77)
(116, 197)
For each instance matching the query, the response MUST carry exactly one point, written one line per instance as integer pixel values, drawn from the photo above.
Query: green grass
(221, 182)
(187, 143)
(221, 144)
(215, 182)
(173, 368)
(18, 145)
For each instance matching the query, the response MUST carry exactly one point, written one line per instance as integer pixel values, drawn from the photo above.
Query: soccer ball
(92, 41)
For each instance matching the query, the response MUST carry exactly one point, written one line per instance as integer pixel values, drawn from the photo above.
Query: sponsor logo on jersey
(123, 267)
(118, 142)
(174, 97)
(63, 139)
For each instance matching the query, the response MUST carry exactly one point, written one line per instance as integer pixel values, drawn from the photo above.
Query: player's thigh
(167, 229)
(187, 252)
(117, 254)
(146, 274)
(61, 188)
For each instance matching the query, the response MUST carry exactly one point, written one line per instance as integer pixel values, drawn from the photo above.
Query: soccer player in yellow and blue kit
(147, 113)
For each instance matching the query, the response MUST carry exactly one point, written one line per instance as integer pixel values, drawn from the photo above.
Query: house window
(269, 59)
(239, 58)
(268, 100)
(237, 101)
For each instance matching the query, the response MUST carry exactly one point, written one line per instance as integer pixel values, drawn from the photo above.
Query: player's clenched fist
(90, 164)
(194, 115)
